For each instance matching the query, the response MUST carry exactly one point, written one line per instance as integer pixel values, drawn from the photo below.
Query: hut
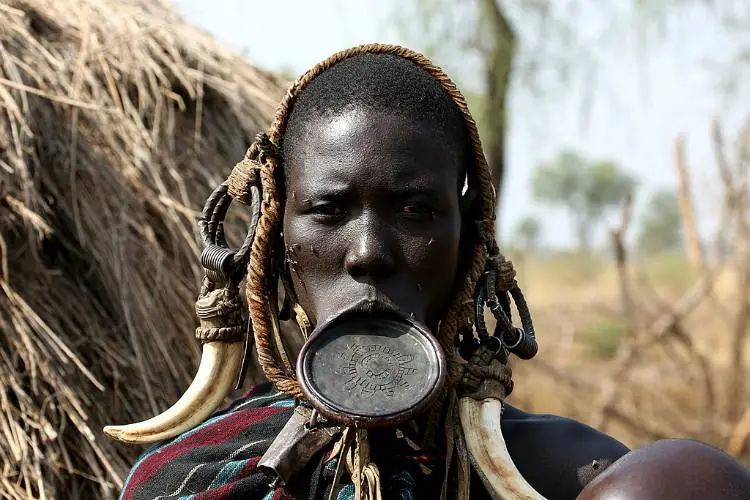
(116, 120)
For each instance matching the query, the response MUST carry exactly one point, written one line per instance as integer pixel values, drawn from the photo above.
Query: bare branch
(695, 251)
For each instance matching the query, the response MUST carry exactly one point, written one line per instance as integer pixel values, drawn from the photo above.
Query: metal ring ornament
(511, 344)
(520, 341)
(220, 261)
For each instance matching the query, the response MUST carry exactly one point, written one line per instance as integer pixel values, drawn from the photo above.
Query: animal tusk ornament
(219, 367)
(486, 382)
(221, 330)
(480, 420)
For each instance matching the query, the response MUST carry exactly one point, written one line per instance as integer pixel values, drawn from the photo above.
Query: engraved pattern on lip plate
(371, 368)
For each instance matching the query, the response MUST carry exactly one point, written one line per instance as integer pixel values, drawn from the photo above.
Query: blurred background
(619, 137)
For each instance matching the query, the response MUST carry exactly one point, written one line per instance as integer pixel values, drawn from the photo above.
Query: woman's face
(372, 213)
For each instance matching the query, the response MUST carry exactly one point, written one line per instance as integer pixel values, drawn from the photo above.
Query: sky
(638, 89)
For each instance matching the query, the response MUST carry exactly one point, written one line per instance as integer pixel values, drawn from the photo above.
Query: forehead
(372, 147)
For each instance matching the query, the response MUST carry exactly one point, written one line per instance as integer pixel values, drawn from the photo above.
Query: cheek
(313, 257)
(319, 248)
(434, 261)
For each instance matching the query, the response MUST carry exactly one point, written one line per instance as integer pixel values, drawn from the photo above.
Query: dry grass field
(678, 385)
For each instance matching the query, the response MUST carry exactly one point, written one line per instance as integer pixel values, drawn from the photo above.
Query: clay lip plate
(371, 371)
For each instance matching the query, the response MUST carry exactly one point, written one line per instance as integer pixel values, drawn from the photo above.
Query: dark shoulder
(557, 455)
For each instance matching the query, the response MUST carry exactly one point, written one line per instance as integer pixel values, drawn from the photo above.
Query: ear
(467, 206)
(468, 200)
(291, 309)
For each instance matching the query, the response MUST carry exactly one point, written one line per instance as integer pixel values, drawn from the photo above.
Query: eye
(418, 210)
(327, 211)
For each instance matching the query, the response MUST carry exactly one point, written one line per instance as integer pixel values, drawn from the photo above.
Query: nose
(371, 253)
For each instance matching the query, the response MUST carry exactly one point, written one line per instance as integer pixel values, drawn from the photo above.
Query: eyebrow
(420, 184)
(324, 192)
(405, 191)
(331, 188)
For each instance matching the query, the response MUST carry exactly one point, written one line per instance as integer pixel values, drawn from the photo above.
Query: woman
(377, 201)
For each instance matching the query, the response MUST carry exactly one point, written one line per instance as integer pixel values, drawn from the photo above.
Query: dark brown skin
(373, 212)
(672, 468)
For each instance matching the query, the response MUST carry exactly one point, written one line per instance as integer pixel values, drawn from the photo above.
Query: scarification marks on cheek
(292, 260)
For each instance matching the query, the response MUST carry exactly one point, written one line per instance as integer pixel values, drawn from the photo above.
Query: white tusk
(480, 421)
(220, 365)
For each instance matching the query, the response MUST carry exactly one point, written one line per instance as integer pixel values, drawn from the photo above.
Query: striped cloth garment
(218, 460)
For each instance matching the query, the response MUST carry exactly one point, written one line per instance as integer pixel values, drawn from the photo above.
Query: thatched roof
(116, 119)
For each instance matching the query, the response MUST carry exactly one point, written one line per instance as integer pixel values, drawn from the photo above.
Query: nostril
(369, 257)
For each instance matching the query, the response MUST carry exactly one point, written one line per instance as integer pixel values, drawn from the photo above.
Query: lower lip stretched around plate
(369, 371)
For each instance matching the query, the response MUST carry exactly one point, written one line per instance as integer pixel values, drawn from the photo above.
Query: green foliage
(527, 232)
(602, 337)
(560, 181)
(587, 189)
(606, 186)
(661, 229)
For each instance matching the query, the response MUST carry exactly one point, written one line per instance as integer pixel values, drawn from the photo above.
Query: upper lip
(379, 304)
(372, 304)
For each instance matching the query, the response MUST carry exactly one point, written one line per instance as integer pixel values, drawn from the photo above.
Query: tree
(660, 224)
(587, 189)
(494, 40)
(498, 55)
(527, 232)
(479, 30)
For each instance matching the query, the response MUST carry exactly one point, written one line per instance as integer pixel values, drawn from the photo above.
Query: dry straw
(116, 120)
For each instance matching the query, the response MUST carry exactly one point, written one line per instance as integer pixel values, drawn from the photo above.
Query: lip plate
(369, 371)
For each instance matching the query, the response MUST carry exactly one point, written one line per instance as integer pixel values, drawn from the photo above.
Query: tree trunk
(499, 63)
(583, 231)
